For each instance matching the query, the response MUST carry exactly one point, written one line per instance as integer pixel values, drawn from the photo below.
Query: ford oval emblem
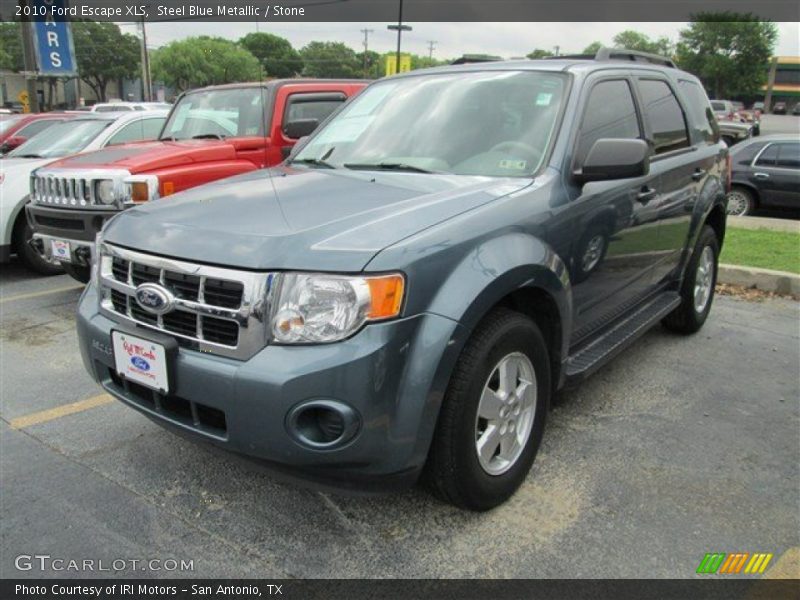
(154, 299)
(140, 363)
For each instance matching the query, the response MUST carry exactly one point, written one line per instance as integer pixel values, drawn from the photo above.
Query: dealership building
(784, 79)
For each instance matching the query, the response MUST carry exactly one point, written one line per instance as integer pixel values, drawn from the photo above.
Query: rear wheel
(492, 418)
(78, 272)
(28, 255)
(740, 202)
(697, 290)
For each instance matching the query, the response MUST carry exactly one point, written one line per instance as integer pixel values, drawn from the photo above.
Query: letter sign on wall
(52, 39)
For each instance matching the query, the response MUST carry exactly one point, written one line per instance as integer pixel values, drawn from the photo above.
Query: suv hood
(310, 219)
(141, 157)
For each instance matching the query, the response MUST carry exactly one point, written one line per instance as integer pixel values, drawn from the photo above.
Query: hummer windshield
(491, 123)
(61, 139)
(217, 114)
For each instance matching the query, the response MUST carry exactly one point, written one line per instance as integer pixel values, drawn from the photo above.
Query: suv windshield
(217, 114)
(61, 139)
(494, 123)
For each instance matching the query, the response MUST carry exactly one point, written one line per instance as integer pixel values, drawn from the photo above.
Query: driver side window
(610, 113)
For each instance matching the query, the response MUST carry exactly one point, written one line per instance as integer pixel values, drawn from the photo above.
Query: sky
(452, 39)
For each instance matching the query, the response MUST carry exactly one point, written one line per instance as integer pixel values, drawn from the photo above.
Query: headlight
(104, 191)
(320, 308)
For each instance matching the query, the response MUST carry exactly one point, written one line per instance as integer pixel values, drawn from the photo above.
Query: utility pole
(147, 87)
(366, 33)
(29, 60)
(399, 28)
(431, 46)
(557, 49)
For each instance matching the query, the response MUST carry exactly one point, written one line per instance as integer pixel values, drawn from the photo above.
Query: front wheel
(30, 256)
(697, 290)
(492, 418)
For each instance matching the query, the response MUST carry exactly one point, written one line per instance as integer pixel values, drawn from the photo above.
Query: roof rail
(633, 55)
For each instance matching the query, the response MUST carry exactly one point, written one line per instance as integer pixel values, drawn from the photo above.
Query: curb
(756, 223)
(767, 280)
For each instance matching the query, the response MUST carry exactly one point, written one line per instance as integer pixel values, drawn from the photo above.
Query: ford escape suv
(405, 294)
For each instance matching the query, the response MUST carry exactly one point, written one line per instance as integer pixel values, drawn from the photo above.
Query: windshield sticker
(513, 165)
(543, 99)
(344, 130)
(370, 99)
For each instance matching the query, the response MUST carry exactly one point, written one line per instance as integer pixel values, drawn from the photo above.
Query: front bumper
(393, 375)
(78, 227)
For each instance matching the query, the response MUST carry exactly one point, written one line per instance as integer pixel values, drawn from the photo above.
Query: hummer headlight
(104, 191)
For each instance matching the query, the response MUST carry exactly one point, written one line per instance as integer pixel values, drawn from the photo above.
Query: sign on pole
(52, 40)
(391, 64)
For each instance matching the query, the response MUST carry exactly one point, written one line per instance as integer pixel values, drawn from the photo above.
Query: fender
(711, 196)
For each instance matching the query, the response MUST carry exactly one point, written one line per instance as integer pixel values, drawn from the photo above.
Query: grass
(778, 250)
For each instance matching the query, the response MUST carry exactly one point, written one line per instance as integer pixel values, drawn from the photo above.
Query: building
(785, 84)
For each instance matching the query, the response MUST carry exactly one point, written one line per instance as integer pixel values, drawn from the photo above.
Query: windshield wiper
(314, 162)
(387, 166)
(27, 156)
(208, 136)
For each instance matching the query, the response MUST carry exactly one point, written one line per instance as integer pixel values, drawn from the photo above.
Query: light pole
(399, 28)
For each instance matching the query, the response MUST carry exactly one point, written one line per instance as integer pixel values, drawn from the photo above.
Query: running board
(591, 357)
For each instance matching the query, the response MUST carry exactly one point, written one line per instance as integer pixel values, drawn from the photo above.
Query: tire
(741, 202)
(27, 254)
(454, 471)
(591, 252)
(78, 272)
(690, 316)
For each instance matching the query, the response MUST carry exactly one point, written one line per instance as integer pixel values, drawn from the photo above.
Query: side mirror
(299, 144)
(12, 143)
(615, 159)
(300, 128)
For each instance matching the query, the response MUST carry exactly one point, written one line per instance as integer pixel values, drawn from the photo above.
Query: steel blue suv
(403, 297)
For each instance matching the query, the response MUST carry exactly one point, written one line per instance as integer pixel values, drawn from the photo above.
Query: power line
(366, 33)
(431, 46)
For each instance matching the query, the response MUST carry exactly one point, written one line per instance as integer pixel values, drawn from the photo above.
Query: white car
(82, 134)
(105, 107)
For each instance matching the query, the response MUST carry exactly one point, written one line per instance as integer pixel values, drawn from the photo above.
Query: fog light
(323, 423)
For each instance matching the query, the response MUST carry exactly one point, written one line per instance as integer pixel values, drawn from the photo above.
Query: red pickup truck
(211, 133)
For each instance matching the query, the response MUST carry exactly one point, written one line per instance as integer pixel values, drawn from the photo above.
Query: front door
(613, 224)
(776, 174)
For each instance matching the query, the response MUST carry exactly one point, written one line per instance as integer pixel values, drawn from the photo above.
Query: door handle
(646, 194)
(698, 174)
(761, 175)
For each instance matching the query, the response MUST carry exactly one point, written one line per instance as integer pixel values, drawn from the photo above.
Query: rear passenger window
(610, 113)
(788, 156)
(768, 157)
(663, 112)
(704, 123)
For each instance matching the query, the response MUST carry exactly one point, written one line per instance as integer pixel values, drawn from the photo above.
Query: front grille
(216, 310)
(200, 417)
(73, 188)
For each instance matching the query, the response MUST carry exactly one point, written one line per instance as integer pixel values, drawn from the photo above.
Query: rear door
(776, 174)
(612, 223)
(681, 162)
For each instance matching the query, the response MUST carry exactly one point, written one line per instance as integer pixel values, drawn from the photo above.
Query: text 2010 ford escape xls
(406, 293)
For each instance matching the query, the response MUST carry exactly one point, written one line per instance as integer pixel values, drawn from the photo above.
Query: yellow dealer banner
(391, 64)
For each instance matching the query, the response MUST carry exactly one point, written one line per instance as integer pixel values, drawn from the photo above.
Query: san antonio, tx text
(142, 590)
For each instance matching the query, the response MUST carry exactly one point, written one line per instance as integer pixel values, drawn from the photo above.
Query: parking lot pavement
(681, 446)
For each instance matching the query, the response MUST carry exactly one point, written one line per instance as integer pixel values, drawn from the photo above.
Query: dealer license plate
(140, 360)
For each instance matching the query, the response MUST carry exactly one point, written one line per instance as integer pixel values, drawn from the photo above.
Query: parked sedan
(779, 108)
(765, 172)
(80, 134)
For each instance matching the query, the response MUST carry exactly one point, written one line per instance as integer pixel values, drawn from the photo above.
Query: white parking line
(42, 293)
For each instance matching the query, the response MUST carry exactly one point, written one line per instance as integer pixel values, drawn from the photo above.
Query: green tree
(374, 63)
(330, 60)
(275, 53)
(199, 61)
(104, 54)
(633, 40)
(728, 52)
(10, 47)
(592, 48)
(539, 53)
